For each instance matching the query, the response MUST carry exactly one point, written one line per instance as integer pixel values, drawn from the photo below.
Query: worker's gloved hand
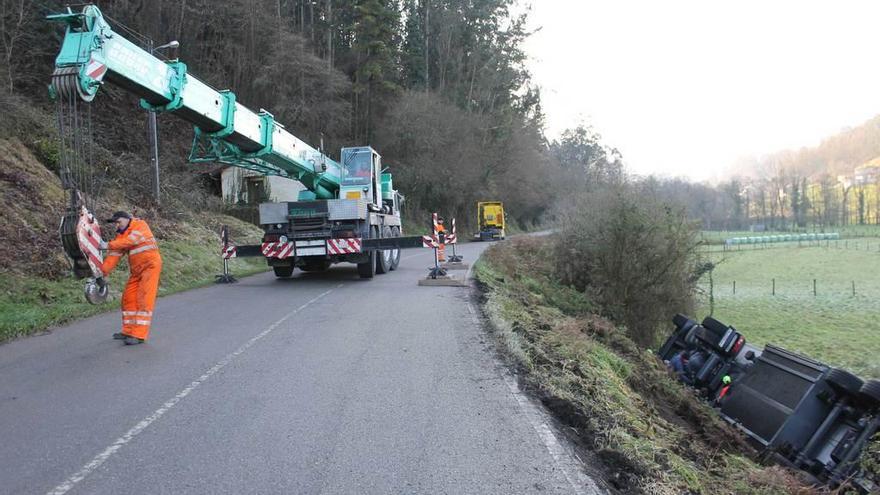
(102, 244)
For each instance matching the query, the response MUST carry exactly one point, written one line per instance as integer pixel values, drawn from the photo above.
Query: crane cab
(361, 169)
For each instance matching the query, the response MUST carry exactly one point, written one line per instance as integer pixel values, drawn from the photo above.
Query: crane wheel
(384, 258)
(395, 253)
(367, 269)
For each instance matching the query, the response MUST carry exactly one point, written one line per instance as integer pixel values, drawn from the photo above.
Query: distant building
(869, 173)
(241, 186)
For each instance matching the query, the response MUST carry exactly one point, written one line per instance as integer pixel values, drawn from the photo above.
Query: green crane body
(349, 211)
(225, 130)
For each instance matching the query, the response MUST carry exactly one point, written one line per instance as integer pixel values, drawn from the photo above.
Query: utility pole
(154, 143)
(153, 129)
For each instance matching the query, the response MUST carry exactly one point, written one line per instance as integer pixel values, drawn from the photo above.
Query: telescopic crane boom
(225, 131)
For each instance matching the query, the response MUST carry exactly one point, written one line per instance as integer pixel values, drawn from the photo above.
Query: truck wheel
(368, 268)
(395, 253)
(870, 393)
(714, 326)
(844, 381)
(283, 271)
(383, 257)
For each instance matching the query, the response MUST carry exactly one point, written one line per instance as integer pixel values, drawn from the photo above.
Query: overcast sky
(685, 87)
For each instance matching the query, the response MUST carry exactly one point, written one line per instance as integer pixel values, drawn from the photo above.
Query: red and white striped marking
(95, 69)
(430, 241)
(451, 238)
(279, 250)
(88, 236)
(229, 252)
(343, 246)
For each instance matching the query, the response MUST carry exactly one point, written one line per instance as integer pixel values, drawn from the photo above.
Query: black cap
(119, 214)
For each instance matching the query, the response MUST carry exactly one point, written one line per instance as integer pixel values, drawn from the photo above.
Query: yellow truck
(490, 219)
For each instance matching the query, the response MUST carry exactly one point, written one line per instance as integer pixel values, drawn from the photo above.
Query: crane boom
(225, 130)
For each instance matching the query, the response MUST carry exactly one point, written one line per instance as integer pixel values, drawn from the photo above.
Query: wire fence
(771, 287)
(860, 244)
(845, 232)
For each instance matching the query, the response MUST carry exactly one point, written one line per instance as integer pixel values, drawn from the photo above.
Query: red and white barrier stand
(437, 274)
(433, 242)
(452, 239)
(454, 262)
(227, 251)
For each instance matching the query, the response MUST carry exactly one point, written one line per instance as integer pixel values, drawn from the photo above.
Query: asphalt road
(322, 383)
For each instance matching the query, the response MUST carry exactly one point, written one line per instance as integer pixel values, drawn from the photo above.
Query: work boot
(118, 336)
(133, 340)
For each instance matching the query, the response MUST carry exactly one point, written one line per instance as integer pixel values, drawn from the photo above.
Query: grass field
(834, 326)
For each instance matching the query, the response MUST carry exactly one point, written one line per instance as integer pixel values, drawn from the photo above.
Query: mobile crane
(349, 211)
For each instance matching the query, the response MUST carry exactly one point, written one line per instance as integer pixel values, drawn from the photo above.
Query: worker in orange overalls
(139, 297)
(441, 236)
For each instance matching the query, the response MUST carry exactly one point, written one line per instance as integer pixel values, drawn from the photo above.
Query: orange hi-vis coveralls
(139, 297)
(441, 249)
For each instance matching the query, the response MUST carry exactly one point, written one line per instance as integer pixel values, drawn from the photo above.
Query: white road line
(101, 458)
(581, 484)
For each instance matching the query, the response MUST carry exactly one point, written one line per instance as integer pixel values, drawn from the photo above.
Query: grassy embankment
(833, 326)
(32, 303)
(38, 290)
(650, 434)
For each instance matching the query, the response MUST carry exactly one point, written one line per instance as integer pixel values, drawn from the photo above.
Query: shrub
(634, 254)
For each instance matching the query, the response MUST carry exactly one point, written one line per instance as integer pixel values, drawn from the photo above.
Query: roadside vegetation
(38, 289)
(834, 325)
(649, 433)
(190, 259)
(581, 312)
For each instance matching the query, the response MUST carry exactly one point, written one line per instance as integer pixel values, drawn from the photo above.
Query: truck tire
(395, 253)
(870, 393)
(714, 326)
(283, 271)
(383, 257)
(844, 381)
(367, 269)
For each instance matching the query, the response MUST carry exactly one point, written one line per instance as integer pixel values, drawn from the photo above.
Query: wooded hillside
(833, 184)
(438, 87)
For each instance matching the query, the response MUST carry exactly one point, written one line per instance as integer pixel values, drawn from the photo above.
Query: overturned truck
(796, 411)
